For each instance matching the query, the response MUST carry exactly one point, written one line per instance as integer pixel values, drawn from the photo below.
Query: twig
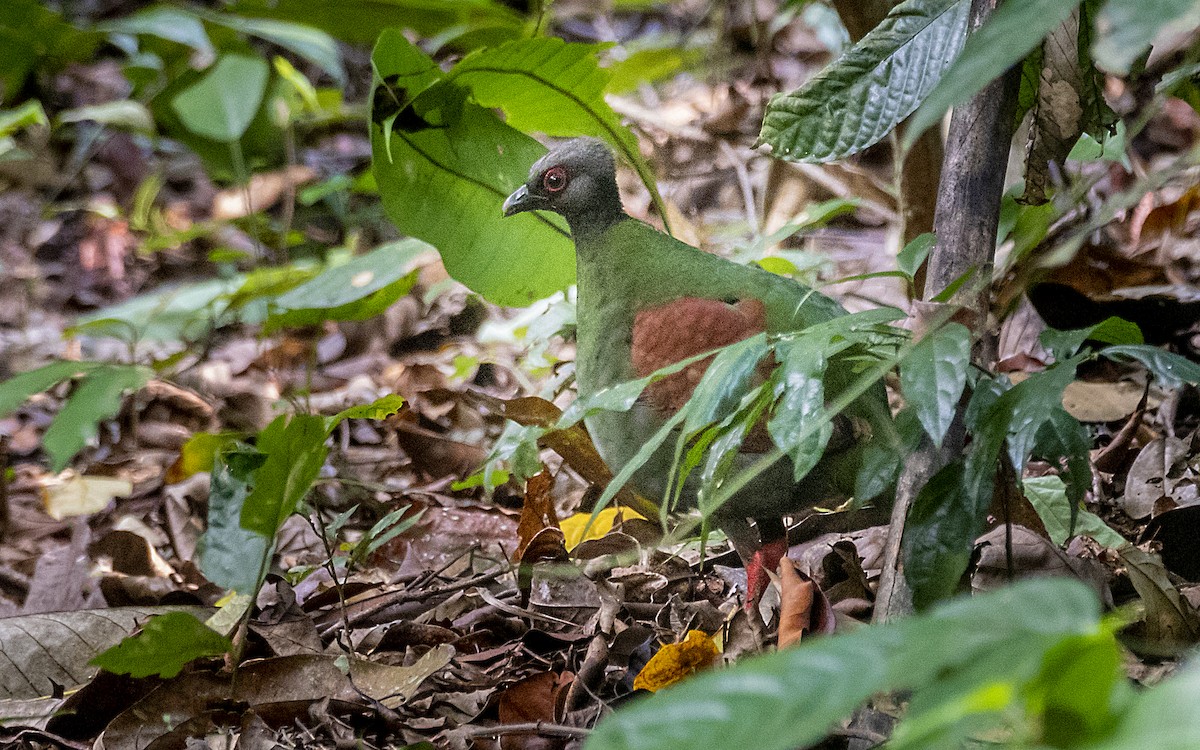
(531, 727)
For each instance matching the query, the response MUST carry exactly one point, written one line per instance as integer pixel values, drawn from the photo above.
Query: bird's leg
(760, 549)
(772, 547)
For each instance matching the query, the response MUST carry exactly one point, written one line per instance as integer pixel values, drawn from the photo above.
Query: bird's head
(578, 180)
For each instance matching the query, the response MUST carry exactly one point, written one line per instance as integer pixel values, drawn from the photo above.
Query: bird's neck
(596, 216)
(605, 312)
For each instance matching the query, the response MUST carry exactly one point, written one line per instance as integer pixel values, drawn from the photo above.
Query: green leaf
(165, 22)
(1016, 27)
(121, 113)
(1171, 370)
(222, 104)
(792, 697)
(359, 21)
(307, 42)
(380, 408)
(724, 383)
(15, 390)
(1074, 690)
(550, 86)
(910, 258)
(356, 290)
(949, 512)
(1126, 29)
(650, 65)
(97, 397)
(1048, 496)
(1063, 439)
(28, 114)
(799, 424)
(863, 95)
(941, 527)
(933, 375)
(230, 556)
(164, 647)
(1064, 344)
(444, 167)
(295, 451)
(1167, 712)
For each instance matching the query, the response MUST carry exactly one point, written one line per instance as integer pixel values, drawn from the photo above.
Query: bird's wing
(671, 332)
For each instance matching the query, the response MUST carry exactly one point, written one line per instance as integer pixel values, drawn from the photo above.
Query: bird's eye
(555, 179)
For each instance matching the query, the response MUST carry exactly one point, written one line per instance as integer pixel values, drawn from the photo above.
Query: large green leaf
(356, 290)
(295, 450)
(1062, 516)
(549, 86)
(444, 166)
(792, 697)
(1127, 27)
(97, 397)
(865, 93)
(222, 104)
(1002, 41)
(933, 375)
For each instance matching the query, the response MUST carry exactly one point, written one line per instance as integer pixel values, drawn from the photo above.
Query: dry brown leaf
(795, 604)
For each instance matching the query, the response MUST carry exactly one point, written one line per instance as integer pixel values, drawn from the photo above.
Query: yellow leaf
(71, 494)
(574, 527)
(197, 455)
(675, 661)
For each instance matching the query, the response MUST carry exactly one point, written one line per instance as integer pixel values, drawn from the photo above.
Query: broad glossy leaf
(941, 527)
(724, 382)
(1015, 28)
(554, 87)
(97, 397)
(799, 423)
(295, 451)
(791, 698)
(933, 376)
(222, 104)
(444, 167)
(173, 24)
(1063, 438)
(863, 95)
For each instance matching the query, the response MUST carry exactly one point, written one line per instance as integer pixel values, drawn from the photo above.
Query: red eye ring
(555, 179)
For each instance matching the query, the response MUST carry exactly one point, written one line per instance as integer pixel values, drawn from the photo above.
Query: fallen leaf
(71, 494)
(675, 661)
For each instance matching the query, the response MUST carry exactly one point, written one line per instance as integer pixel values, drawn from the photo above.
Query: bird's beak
(521, 200)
